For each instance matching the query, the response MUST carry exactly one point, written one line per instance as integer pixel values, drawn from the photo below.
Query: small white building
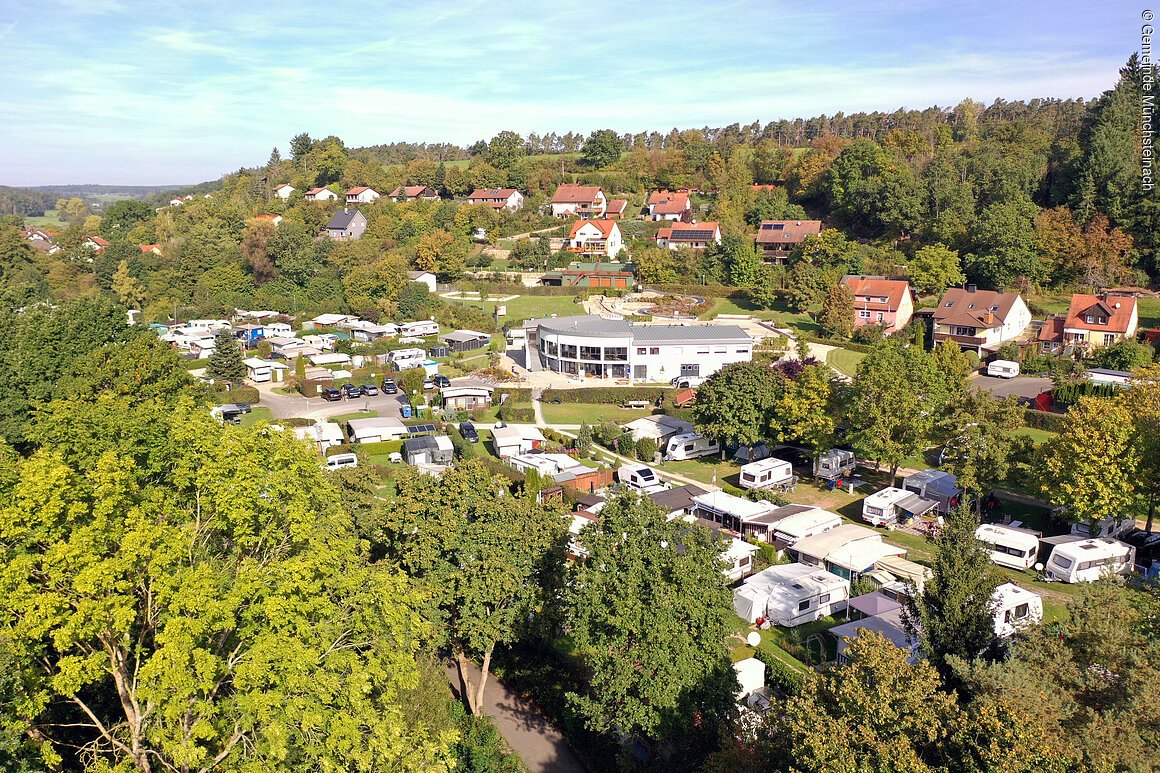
(260, 371)
(1014, 608)
(361, 194)
(425, 277)
(330, 358)
(658, 427)
(366, 332)
(325, 434)
(328, 320)
(891, 505)
(514, 440)
(274, 329)
(497, 198)
(767, 474)
(742, 516)
(321, 194)
(374, 430)
(283, 191)
(791, 594)
(548, 465)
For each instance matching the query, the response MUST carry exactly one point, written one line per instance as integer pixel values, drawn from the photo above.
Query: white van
(767, 473)
(690, 446)
(1009, 546)
(341, 461)
(420, 328)
(1090, 559)
(1003, 368)
(638, 477)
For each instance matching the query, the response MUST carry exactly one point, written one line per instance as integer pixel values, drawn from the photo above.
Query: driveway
(1021, 386)
(295, 406)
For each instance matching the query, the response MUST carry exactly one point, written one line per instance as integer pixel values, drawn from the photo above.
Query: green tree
(300, 145)
(122, 215)
(1005, 246)
(805, 409)
(413, 298)
(1143, 403)
(411, 382)
(127, 287)
(733, 404)
(837, 317)
(981, 441)
(646, 449)
(505, 150)
(584, 439)
(649, 612)
(1125, 354)
(934, 268)
(226, 362)
(602, 148)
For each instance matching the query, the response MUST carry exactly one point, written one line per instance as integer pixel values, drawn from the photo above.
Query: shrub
(608, 395)
(606, 432)
(624, 444)
(1052, 422)
(841, 342)
(761, 495)
(973, 359)
(519, 413)
(584, 439)
(241, 394)
(780, 676)
(870, 334)
(646, 449)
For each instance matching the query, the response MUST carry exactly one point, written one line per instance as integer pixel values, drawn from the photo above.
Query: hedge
(381, 447)
(514, 394)
(608, 395)
(242, 394)
(520, 413)
(853, 346)
(1052, 422)
(781, 676)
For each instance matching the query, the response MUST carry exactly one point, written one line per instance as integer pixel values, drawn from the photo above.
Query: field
(528, 306)
(581, 413)
(845, 361)
(48, 219)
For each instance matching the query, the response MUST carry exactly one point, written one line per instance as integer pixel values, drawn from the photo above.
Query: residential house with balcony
(497, 198)
(582, 201)
(599, 238)
(980, 320)
(412, 192)
(881, 301)
(1091, 321)
(361, 194)
(695, 236)
(776, 238)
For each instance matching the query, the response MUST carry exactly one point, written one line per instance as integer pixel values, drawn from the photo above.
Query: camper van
(791, 595)
(341, 461)
(407, 358)
(1009, 546)
(1106, 527)
(1014, 608)
(768, 473)
(638, 477)
(1003, 369)
(690, 446)
(834, 464)
(891, 505)
(806, 524)
(420, 328)
(1090, 559)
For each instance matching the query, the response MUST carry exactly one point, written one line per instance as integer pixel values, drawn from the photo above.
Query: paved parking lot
(1022, 386)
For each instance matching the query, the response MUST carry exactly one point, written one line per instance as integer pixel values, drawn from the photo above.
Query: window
(720, 350)
(616, 353)
(1090, 319)
(863, 314)
(743, 351)
(690, 369)
(551, 347)
(1109, 338)
(1021, 611)
(704, 350)
(1086, 565)
(654, 350)
(881, 316)
(568, 351)
(803, 605)
(824, 598)
(590, 352)
(1061, 562)
(642, 350)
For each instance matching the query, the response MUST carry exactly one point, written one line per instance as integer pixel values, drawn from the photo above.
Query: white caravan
(1106, 527)
(1009, 546)
(1090, 559)
(690, 446)
(341, 461)
(890, 504)
(768, 473)
(407, 358)
(1014, 608)
(790, 595)
(1003, 368)
(420, 328)
(638, 477)
(805, 524)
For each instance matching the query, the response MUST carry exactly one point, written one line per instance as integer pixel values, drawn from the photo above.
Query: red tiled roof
(604, 226)
(98, 241)
(357, 190)
(1052, 329)
(314, 191)
(575, 194)
(977, 308)
(674, 204)
(758, 187)
(616, 206)
(149, 247)
(1117, 309)
(892, 290)
(787, 231)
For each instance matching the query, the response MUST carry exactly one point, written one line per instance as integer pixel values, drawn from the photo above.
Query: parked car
(441, 381)
(428, 383)
(467, 429)
(351, 391)
(243, 407)
(331, 394)
(370, 390)
(390, 387)
(687, 382)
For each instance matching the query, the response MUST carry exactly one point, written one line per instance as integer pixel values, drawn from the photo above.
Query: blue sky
(126, 92)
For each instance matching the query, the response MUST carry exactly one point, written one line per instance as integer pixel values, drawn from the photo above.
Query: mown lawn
(526, 306)
(845, 361)
(345, 417)
(47, 220)
(581, 413)
(255, 415)
(1036, 435)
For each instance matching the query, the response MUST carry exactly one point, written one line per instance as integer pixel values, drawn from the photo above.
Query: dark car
(441, 381)
(243, 407)
(351, 391)
(369, 390)
(390, 387)
(331, 394)
(467, 429)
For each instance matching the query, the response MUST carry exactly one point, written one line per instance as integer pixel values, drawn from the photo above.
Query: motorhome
(891, 505)
(936, 485)
(403, 359)
(690, 445)
(1009, 545)
(1014, 608)
(798, 526)
(1003, 368)
(1105, 527)
(768, 473)
(791, 594)
(420, 328)
(1090, 559)
(341, 461)
(638, 477)
(834, 464)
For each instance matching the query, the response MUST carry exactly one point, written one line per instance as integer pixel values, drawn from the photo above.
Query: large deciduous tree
(733, 404)
(934, 268)
(603, 147)
(837, 315)
(980, 442)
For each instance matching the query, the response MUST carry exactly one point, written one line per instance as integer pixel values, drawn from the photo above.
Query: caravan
(891, 505)
(1014, 608)
(835, 464)
(798, 526)
(790, 595)
(639, 478)
(1003, 368)
(420, 328)
(690, 445)
(1090, 559)
(768, 473)
(1105, 527)
(1010, 546)
(403, 359)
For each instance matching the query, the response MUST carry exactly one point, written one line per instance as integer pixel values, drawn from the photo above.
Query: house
(1091, 321)
(37, 235)
(580, 274)
(616, 209)
(695, 236)
(881, 301)
(465, 340)
(428, 449)
(466, 394)
(658, 428)
(595, 237)
(776, 238)
(666, 205)
(426, 277)
(510, 441)
(328, 320)
(580, 200)
(260, 370)
(497, 198)
(376, 429)
(326, 434)
(561, 468)
(95, 243)
(321, 194)
(283, 191)
(154, 249)
(361, 194)
(613, 348)
(347, 224)
(412, 192)
(980, 320)
(740, 516)
(275, 220)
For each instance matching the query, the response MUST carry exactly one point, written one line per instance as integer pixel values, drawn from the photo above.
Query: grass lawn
(774, 639)
(1036, 435)
(344, 417)
(256, 415)
(703, 469)
(1149, 312)
(47, 220)
(527, 306)
(580, 413)
(845, 361)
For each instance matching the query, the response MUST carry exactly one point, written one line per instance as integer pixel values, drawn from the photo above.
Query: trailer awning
(916, 505)
(874, 603)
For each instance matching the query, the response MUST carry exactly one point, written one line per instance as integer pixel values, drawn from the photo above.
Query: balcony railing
(968, 340)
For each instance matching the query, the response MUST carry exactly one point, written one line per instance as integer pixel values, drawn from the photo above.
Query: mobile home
(1010, 546)
(1003, 369)
(1014, 608)
(1105, 527)
(805, 524)
(690, 445)
(891, 505)
(835, 463)
(768, 473)
(638, 477)
(407, 358)
(1090, 559)
(791, 595)
(420, 328)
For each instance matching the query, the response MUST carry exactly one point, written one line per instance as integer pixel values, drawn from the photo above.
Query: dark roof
(419, 444)
(680, 498)
(342, 219)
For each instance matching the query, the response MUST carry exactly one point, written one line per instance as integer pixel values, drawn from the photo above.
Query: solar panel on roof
(419, 429)
(693, 235)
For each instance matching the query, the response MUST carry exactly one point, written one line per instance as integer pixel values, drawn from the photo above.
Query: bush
(241, 394)
(519, 413)
(1067, 394)
(382, 447)
(761, 495)
(1052, 422)
(608, 395)
(516, 394)
(646, 449)
(840, 342)
(624, 444)
(869, 334)
(973, 359)
(781, 677)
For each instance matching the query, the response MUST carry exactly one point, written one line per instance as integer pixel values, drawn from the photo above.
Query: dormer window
(970, 305)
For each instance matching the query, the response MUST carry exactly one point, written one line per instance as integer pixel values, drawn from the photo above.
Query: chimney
(972, 288)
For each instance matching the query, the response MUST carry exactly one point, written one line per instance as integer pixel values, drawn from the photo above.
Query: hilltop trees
(602, 148)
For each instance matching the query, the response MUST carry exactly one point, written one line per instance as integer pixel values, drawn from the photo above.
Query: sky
(133, 93)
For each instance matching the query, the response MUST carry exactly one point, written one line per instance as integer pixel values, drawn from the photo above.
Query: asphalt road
(290, 406)
(1022, 386)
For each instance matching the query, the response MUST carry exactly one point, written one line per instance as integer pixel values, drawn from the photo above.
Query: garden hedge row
(520, 413)
(608, 395)
(242, 394)
(1052, 422)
